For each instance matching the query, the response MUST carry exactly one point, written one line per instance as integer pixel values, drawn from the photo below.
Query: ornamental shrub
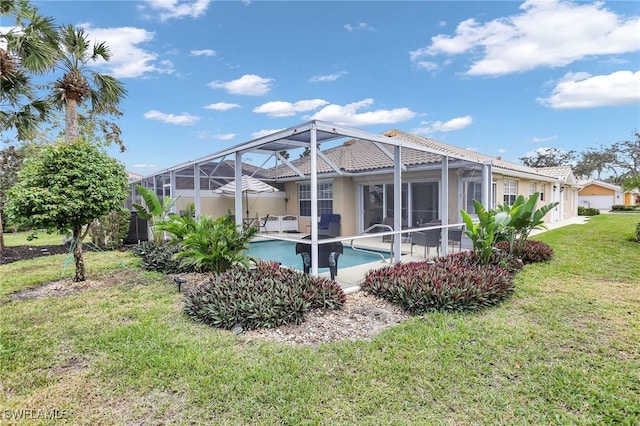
(532, 251)
(265, 296)
(161, 258)
(109, 231)
(588, 211)
(452, 283)
(638, 232)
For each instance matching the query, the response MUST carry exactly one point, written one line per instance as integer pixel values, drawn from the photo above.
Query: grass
(39, 238)
(563, 350)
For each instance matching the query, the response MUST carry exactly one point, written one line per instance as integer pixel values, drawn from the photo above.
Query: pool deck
(350, 278)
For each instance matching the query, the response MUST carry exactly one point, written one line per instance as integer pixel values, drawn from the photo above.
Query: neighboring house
(133, 177)
(355, 178)
(632, 197)
(600, 195)
(565, 191)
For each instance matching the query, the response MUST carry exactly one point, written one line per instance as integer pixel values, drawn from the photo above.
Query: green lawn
(40, 238)
(565, 349)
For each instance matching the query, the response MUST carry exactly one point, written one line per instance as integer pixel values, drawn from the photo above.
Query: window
(510, 191)
(325, 198)
(533, 188)
(473, 191)
(542, 186)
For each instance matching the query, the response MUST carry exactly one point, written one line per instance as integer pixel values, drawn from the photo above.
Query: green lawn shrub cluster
(532, 251)
(587, 211)
(623, 208)
(265, 296)
(161, 258)
(109, 231)
(452, 283)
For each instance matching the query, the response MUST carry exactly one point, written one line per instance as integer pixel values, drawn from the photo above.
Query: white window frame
(325, 188)
(510, 191)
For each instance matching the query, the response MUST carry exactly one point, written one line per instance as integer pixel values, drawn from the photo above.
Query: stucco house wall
(600, 195)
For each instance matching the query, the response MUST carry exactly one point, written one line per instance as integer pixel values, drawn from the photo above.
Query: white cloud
(222, 106)
(348, 115)
(287, 109)
(547, 33)
(128, 58)
(203, 52)
(143, 166)
(224, 136)
(538, 139)
(457, 123)
(330, 77)
(427, 65)
(180, 119)
(361, 26)
(264, 132)
(249, 84)
(582, 90)
(168, 9)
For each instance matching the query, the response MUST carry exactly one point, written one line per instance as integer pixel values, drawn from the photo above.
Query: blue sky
(504, 78)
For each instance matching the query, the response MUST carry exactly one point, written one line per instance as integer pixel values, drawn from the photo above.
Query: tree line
(618, 164)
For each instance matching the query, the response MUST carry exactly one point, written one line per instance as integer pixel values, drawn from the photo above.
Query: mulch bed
(15, 253)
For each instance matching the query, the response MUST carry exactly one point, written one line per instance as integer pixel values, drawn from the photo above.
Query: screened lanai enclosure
(391, 183)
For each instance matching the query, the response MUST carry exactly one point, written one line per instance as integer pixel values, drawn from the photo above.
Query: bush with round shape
(452, 283)
(532, 251)
(265, 296)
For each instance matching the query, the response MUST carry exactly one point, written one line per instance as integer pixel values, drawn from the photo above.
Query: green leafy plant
(66, 186)
(588, 211)
(523, 218)
(109, 231)
(486, 231)
(161, 258)
(264, 296)
(532, 251)
(215, 245)
(178, 226)
(154, 210)
(638, 232)
(451, 283)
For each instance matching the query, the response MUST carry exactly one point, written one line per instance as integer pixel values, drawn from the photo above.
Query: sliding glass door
(420, 203)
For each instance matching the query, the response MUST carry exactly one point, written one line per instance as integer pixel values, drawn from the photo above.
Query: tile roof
(560, 172)
(467, 153)
(359, 156)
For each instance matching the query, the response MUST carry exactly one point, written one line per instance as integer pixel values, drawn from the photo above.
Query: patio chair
(262, 223)
(326, 220)
(328, 254)
(428, 238)
(455, 236)
(388, 238)
(334, 229)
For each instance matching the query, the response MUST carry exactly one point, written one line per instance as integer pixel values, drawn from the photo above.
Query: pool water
(285, 253)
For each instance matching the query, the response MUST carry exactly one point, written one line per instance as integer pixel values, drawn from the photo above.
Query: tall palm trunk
(71, 120)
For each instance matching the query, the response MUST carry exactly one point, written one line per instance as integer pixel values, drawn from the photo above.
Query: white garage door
(603, 202)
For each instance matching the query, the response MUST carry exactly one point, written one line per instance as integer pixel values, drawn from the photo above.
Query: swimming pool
(285, 253)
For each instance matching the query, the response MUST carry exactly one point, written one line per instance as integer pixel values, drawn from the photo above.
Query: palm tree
(79, 84)
(29, 47)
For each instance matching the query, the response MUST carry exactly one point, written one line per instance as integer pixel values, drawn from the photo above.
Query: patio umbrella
(250, 185)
